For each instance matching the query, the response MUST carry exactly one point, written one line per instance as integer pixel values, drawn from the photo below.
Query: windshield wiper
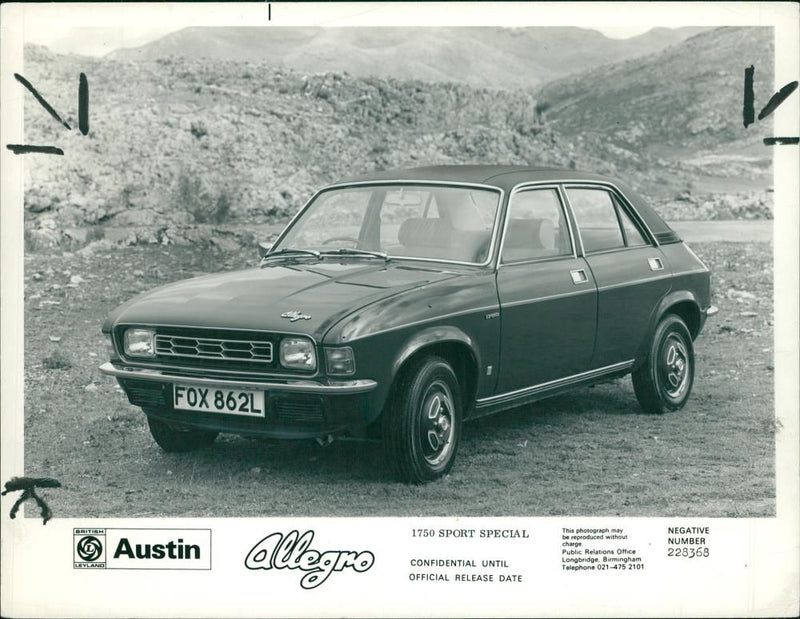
(352, 251)
(291, 250)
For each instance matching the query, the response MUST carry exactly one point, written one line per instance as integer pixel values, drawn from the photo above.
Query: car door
(548, 298)
(631, 273)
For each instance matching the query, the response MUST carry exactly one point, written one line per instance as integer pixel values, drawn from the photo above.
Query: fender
(434, 335)
(670, 299)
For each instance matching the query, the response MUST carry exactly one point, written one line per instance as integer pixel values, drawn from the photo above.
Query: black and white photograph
(396, 309)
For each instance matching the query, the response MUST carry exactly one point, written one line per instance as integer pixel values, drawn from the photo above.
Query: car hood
(324, 291)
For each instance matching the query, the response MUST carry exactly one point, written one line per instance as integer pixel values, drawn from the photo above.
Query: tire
(663, 383)
(422, 422)
(174, 439)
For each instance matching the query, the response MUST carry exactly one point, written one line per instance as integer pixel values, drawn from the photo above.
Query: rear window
(603, 222)
(597, 220)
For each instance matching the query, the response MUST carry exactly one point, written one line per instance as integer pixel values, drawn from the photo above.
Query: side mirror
(264, 248)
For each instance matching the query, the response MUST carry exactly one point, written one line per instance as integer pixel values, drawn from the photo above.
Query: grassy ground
(590, 452)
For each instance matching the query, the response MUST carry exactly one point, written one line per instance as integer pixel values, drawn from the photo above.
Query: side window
(596, 217)
(633, 236)
(536, 227)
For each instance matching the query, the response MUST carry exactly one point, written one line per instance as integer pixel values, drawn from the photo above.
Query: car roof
(504, 177)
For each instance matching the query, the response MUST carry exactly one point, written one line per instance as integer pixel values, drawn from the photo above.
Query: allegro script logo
(292, 552)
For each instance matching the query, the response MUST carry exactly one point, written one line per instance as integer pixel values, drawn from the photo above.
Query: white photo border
(756, 567)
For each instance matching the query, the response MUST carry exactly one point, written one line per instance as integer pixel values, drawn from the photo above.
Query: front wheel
(422, 424)
(664, 381)
(176, 439)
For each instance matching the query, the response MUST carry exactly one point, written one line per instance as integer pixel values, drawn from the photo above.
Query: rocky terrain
(181, 148)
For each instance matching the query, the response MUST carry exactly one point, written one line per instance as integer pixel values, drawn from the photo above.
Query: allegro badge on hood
(294, 316)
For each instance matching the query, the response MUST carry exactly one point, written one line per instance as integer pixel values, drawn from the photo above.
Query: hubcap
(674, 368)
(436, 423)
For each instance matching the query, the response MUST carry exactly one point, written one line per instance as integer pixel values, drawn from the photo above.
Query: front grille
(212, 348)
(208, 350)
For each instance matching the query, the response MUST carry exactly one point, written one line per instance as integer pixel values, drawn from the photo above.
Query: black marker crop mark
(83, 116)
(28, 486)
(269, 11)
(748, 109)
(83, 104)
(778, 98)
(776, 141)
(21, 149)
(41, 100)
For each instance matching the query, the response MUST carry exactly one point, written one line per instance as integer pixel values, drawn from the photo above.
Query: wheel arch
(689, 312)
(682, 303)
(452, 345)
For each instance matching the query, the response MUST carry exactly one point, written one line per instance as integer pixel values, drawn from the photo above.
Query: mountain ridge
(506, 58)
(699, 100)
(671, 106)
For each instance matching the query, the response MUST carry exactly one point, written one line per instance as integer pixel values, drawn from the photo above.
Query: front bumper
(294, 408)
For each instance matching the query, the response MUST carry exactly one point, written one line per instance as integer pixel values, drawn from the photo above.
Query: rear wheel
(422, 424)
(664, 382)
(176, 439)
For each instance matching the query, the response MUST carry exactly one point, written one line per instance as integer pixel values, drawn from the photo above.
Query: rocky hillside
(179, 143)
(483, 57)
(684, 104)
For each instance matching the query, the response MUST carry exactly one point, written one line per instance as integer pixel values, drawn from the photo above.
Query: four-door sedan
(402, 303)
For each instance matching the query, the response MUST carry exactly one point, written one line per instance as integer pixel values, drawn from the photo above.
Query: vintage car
(399, 304)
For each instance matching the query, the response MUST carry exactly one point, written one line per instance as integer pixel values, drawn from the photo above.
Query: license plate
(217, 400)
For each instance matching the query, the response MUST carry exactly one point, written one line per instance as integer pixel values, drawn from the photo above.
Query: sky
(101, 41)
(97, 41)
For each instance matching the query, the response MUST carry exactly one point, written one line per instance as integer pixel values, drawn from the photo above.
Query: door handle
(579, 276)
(655, 264)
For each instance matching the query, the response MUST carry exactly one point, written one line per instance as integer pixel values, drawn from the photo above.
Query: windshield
(412, 221)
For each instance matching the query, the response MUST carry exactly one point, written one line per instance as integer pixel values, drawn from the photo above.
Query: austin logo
(142, 549)
(294, 316)
(292, 552)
